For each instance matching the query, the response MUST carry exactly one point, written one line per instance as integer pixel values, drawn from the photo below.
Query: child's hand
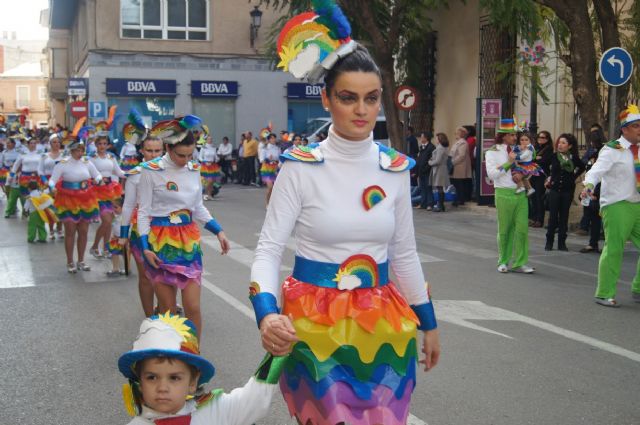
(278, 334)
(512, 156)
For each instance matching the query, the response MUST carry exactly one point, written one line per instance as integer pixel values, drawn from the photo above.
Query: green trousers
(13, 194)
(36, 226)
(621, 222)
(513, 227)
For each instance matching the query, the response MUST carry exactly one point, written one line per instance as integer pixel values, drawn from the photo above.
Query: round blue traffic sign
(616, 66)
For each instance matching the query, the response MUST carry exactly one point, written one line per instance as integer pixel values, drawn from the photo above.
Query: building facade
(174, 57)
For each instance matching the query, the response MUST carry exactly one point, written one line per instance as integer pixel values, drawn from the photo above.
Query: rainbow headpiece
(135, 131)
(629, 115)
(507, 125)
(174, 131)
(3, 120)
(312, 42)
(265, 132)
(72, 140)
(103, 127)
(202, 135)
(166, 335)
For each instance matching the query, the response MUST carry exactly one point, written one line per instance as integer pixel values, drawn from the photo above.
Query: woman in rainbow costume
(25, 169)
(170, 198)
(75, 201)
(106, 163)
(48, 161)
(270, 161)
(136, 133)
(129, 158)
(352, 337)
(209, 167)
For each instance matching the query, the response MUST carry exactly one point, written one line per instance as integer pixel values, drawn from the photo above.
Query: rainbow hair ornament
(629, 115)
(372, 196)
(312, 42)
(103, 127)
(135, 131)
(174, 131)
(72, 140)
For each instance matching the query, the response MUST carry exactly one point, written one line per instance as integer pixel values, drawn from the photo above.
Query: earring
(326, 109)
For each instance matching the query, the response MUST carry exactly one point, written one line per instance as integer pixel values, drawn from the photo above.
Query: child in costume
(113, 246)
(39, 206)
(524, 166)
(165, 369)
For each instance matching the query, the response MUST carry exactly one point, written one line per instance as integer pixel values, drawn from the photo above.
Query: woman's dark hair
(471, 130)
(525, 134)
(546, 134)
(573, 143)
(187, 141)
(359, 60)
(597, 137)
(443, 139)
(102, 137)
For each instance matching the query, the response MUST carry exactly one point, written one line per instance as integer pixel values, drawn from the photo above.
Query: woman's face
(77, 152)
(563, 145)
(32, 145)
(354, 103)
(55, 145)
(542, 139)
(423, 139)
(102, 145)
(460, 134)
(11, 144)
(181, 154)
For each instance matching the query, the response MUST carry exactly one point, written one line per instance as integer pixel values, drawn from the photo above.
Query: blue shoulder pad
(133, 171)
(310, 153)
(193, 165)
(394, 161)
(153, 165)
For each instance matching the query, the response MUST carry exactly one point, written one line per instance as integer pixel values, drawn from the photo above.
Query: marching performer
(209, 167)
(618, 170)
(347, 201)
(75, 201)
(45, 168)
(129, 156)
(170, 198)
(25, 170)
(39, 205)
(9, 156)
(269, 160)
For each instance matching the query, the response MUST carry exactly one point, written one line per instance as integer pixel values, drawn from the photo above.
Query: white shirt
(615, 169)
(242, 406)
(30, 207)
(225, 149)
(271, 153)
(74, 170)
(128, 150)
(107, 166)
(322, 205)
(47, 162)
(495, 158)
(27, 163)
(42, 147)
(156, 201)
(208, 153)
(130, 196)
(9, 157)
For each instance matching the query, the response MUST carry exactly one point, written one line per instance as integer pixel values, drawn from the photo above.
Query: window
(164, 19)
(22, 96)
(42, 93)
(59, 63)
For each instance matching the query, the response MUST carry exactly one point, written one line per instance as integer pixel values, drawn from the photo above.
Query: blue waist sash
(76, 185)
(329, 275)
(176, 218)
(29, 173)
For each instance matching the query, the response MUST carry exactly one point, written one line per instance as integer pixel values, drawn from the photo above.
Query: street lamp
(256, 20)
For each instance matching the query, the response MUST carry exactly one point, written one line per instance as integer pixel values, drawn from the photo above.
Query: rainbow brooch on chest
(172, 186)
(372, 196)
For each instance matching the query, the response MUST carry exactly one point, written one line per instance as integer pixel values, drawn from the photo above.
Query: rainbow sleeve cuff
(426, 315)
(270, 369)
(213, 226)
(264, 303)
(124, 232)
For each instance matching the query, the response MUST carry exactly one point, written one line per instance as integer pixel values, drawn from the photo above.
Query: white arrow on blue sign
(97, 110)
(616, 66)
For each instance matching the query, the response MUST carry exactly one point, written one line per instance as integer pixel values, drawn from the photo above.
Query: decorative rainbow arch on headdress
(310, 43)
(103, 127)
(135, 130)
(174, 131)
(629, 115)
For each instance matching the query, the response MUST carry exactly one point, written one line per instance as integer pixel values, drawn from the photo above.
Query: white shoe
(525, 268)
(502, 268)
(531, 192)
(205, 198)
(59, 234)
(520, 190)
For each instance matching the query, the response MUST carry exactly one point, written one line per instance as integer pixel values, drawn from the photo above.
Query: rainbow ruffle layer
(269, 171)
(23, 183)
(128, 163)
(179, 250)
(114, 247)
(106, 194)
(4, 173)
(134, 237)
(356, 358)
(210, 172)
(527, 169)
(75, 205)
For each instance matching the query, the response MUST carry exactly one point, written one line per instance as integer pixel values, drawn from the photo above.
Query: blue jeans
(426, 192)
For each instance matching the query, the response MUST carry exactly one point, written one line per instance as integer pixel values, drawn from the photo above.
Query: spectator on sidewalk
(250, 154)
(439, 172)
(225, 151)
(423, 171)
(544, 153)
(597, 140)
(461, 167)
(471, 142)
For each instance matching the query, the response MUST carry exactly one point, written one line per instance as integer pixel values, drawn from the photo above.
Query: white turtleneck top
(208, 153)
(321, 203)
(128, 150)
(47, 163)
(107, 166)
(27, 163)
(74, 170)
(155, 200)
(270, 152)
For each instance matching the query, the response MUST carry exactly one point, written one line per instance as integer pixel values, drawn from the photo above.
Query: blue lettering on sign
(214, 88)
(125, 87)
(304, 91)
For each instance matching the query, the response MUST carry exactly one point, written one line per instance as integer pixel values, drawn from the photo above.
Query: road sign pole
(612, 112)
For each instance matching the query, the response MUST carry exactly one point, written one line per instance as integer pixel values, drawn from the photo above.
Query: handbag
(450, 165)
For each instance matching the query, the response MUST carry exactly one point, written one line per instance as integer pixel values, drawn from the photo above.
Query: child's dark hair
(138, 367)
(33, 185)
(359, 60)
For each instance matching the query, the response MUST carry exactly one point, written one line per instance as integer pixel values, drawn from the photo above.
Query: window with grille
(22, 96)
(165, 19)
(42, 93)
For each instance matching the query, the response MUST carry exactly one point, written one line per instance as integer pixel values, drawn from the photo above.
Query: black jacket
(422, 161)
(561, 180)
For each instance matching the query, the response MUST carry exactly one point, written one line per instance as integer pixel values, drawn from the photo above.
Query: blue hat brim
(629, 122)
(128, 360)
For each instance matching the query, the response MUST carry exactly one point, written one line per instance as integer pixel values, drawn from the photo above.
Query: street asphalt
(516, 349)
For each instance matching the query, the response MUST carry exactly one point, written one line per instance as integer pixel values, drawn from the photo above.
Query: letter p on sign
(97, 110)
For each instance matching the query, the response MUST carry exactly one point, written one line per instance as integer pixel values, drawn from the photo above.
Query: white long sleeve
(130, 198)
(128, 150)
(208, 154)
(74, 170)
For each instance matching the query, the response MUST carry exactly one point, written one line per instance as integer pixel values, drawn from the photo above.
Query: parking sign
(97, 110)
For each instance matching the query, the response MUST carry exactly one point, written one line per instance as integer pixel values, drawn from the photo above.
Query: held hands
(277, 334)
(225, 246)
(152, 258)
(431, 349)
(512, 156)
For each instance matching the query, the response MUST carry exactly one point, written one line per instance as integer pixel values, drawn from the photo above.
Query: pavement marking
(16, 273)
(237, 252)
(460, 248)
(572, 270)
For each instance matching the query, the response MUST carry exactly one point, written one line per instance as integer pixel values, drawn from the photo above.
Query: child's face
(166, 384)
(524, 141)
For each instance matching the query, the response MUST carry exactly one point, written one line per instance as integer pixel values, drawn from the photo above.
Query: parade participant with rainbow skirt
(350, 331)
(618, 170)
(129, 156)
(170, 198)
(45, 168)
(136, 133)
(25, 170)
(9, 156)
(209, 167)
(75, 201)
(269, 160)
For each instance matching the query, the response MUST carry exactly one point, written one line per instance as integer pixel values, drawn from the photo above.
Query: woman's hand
(152, 258)
(277, 333)
(225, 246)
(431, 349)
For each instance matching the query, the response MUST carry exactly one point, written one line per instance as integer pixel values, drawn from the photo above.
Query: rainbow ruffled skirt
(527, 169)
(269, 171)
(176, 240)
(4, 173)
(113, 247)
(106, 194)
(75, 202)
(128, 163)
(25, 179)
(210, 172)
(356, 358)
(134, 237)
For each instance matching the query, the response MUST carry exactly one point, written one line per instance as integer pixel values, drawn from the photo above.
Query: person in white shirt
(129, 157)
(512, 207)
(347, 203)
(9, 156)
(25, 170)
(225, 150)
(618, 170)
(269, 161)
(45, 168)
(209, 167)
(170, 198)
(75, 202)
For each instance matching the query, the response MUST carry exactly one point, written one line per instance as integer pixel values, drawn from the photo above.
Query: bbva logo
(214, 88)
(141, 86)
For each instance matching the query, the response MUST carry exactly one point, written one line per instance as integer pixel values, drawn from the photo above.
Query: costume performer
(347, 201)
(525, 164)
(618, 170)
(129, 156)
(40, 208)
(136, 132)
(269, 159)
(170, 198)
(209, 167)
(45, 168)
(75, 201)
(25, 169)
(512, 207)
(9, 156)
(167, 344)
